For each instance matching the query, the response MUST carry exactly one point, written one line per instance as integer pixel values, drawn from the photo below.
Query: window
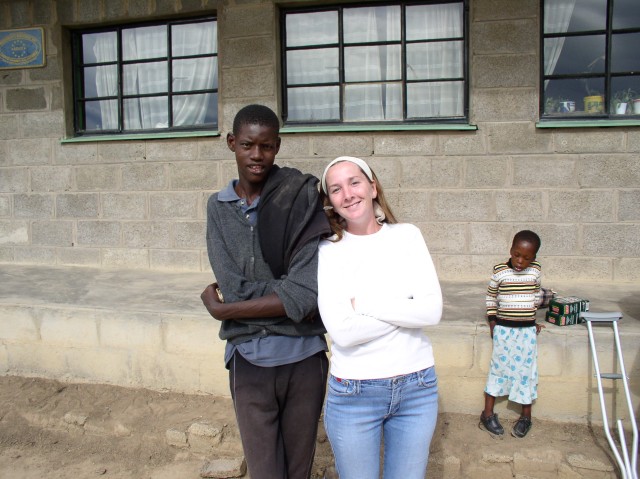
(151, 77)
(385, 63)
(590, 62)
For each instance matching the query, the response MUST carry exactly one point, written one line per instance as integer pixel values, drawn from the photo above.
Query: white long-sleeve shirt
(396, 289)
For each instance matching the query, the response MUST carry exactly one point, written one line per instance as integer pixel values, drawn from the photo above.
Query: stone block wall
(180, 352)
(141, 203)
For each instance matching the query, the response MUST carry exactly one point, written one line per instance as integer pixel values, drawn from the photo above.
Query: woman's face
(351, 194)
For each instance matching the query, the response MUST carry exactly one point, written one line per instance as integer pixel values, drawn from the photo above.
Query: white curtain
(106, 50)
(194, 74)
(313, 66)
(152, 77)
(381, 63)
(433, 60)
(142, 78)
(557, 16)
(380, 66)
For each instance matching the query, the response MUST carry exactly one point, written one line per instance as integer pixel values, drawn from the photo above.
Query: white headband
(352, 159)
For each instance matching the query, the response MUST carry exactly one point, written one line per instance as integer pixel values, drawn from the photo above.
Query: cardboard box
(568, 305)
(563, 319)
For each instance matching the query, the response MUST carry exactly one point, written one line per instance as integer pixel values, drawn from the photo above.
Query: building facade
(504, 156)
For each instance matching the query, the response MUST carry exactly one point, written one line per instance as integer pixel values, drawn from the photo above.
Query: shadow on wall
(630, 308)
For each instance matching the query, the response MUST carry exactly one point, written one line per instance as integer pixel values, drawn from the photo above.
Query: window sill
(586, 123)
(141, 136)
(363, 128)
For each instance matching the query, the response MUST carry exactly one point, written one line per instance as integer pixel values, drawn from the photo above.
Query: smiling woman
(371, 253)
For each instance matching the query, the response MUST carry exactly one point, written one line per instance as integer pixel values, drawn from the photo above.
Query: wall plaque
(23, 48)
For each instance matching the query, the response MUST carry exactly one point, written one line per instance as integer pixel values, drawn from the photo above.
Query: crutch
(628, 466)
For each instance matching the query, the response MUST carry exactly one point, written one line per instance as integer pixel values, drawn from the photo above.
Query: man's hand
(268, 306)
(212, 301)
(539, 327)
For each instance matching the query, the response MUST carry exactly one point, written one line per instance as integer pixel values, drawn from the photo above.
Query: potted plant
(622, 100)
(593, 102)
(636, 105)
(550, 105)
(566, 105)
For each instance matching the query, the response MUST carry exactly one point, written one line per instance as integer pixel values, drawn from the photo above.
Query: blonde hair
(381, 208)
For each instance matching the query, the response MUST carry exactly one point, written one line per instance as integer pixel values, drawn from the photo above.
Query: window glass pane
(141, 78)
(426, 61)
(371, 24)
(194, 39)
(313, 103)
(317, 28)
(312, 66)
(371, 102)
(624, 52)
(626, 14)
(433, 100)
(195, 74)
(195, 109)
(561, 16)
(146, 113)
(144, 42)
(101, 115)
(101, 81)
(377, 63)
(583, 54)
(427, 22)
(99, 47)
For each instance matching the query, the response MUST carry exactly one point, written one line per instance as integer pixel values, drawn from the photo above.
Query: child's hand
(539, 327)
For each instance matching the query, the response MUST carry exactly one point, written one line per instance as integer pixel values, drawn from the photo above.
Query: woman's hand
(492, 324)
(539, 327)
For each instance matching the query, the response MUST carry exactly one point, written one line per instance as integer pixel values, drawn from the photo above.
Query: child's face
(256, 147)
(522, 254)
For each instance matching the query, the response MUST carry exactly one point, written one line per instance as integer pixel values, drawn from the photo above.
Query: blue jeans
(402, 409)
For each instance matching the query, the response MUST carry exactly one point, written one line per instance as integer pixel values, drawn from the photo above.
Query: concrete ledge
(149, 329)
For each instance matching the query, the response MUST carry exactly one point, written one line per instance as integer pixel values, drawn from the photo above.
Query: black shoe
(521, 427)
(492, 424)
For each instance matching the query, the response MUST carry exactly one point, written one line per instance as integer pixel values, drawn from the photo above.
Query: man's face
(256, 147)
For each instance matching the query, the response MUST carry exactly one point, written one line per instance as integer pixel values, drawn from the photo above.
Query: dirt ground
(60, 431)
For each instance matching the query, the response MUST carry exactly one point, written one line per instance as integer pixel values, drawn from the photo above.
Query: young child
(512, 298)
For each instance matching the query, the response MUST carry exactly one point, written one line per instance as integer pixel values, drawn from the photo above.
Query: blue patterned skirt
(514, 364)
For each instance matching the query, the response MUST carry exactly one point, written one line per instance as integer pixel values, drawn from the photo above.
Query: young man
(263, 231)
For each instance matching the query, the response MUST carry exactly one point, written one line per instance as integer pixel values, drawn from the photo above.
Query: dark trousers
(277, 410)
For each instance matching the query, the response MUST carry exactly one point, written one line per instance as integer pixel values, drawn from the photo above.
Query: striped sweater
(513, 296)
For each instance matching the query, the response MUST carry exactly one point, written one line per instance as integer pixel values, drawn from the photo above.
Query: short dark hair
(527, 236)
(255, 115)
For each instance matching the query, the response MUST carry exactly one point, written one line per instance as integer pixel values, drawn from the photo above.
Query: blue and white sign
(22, 48)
